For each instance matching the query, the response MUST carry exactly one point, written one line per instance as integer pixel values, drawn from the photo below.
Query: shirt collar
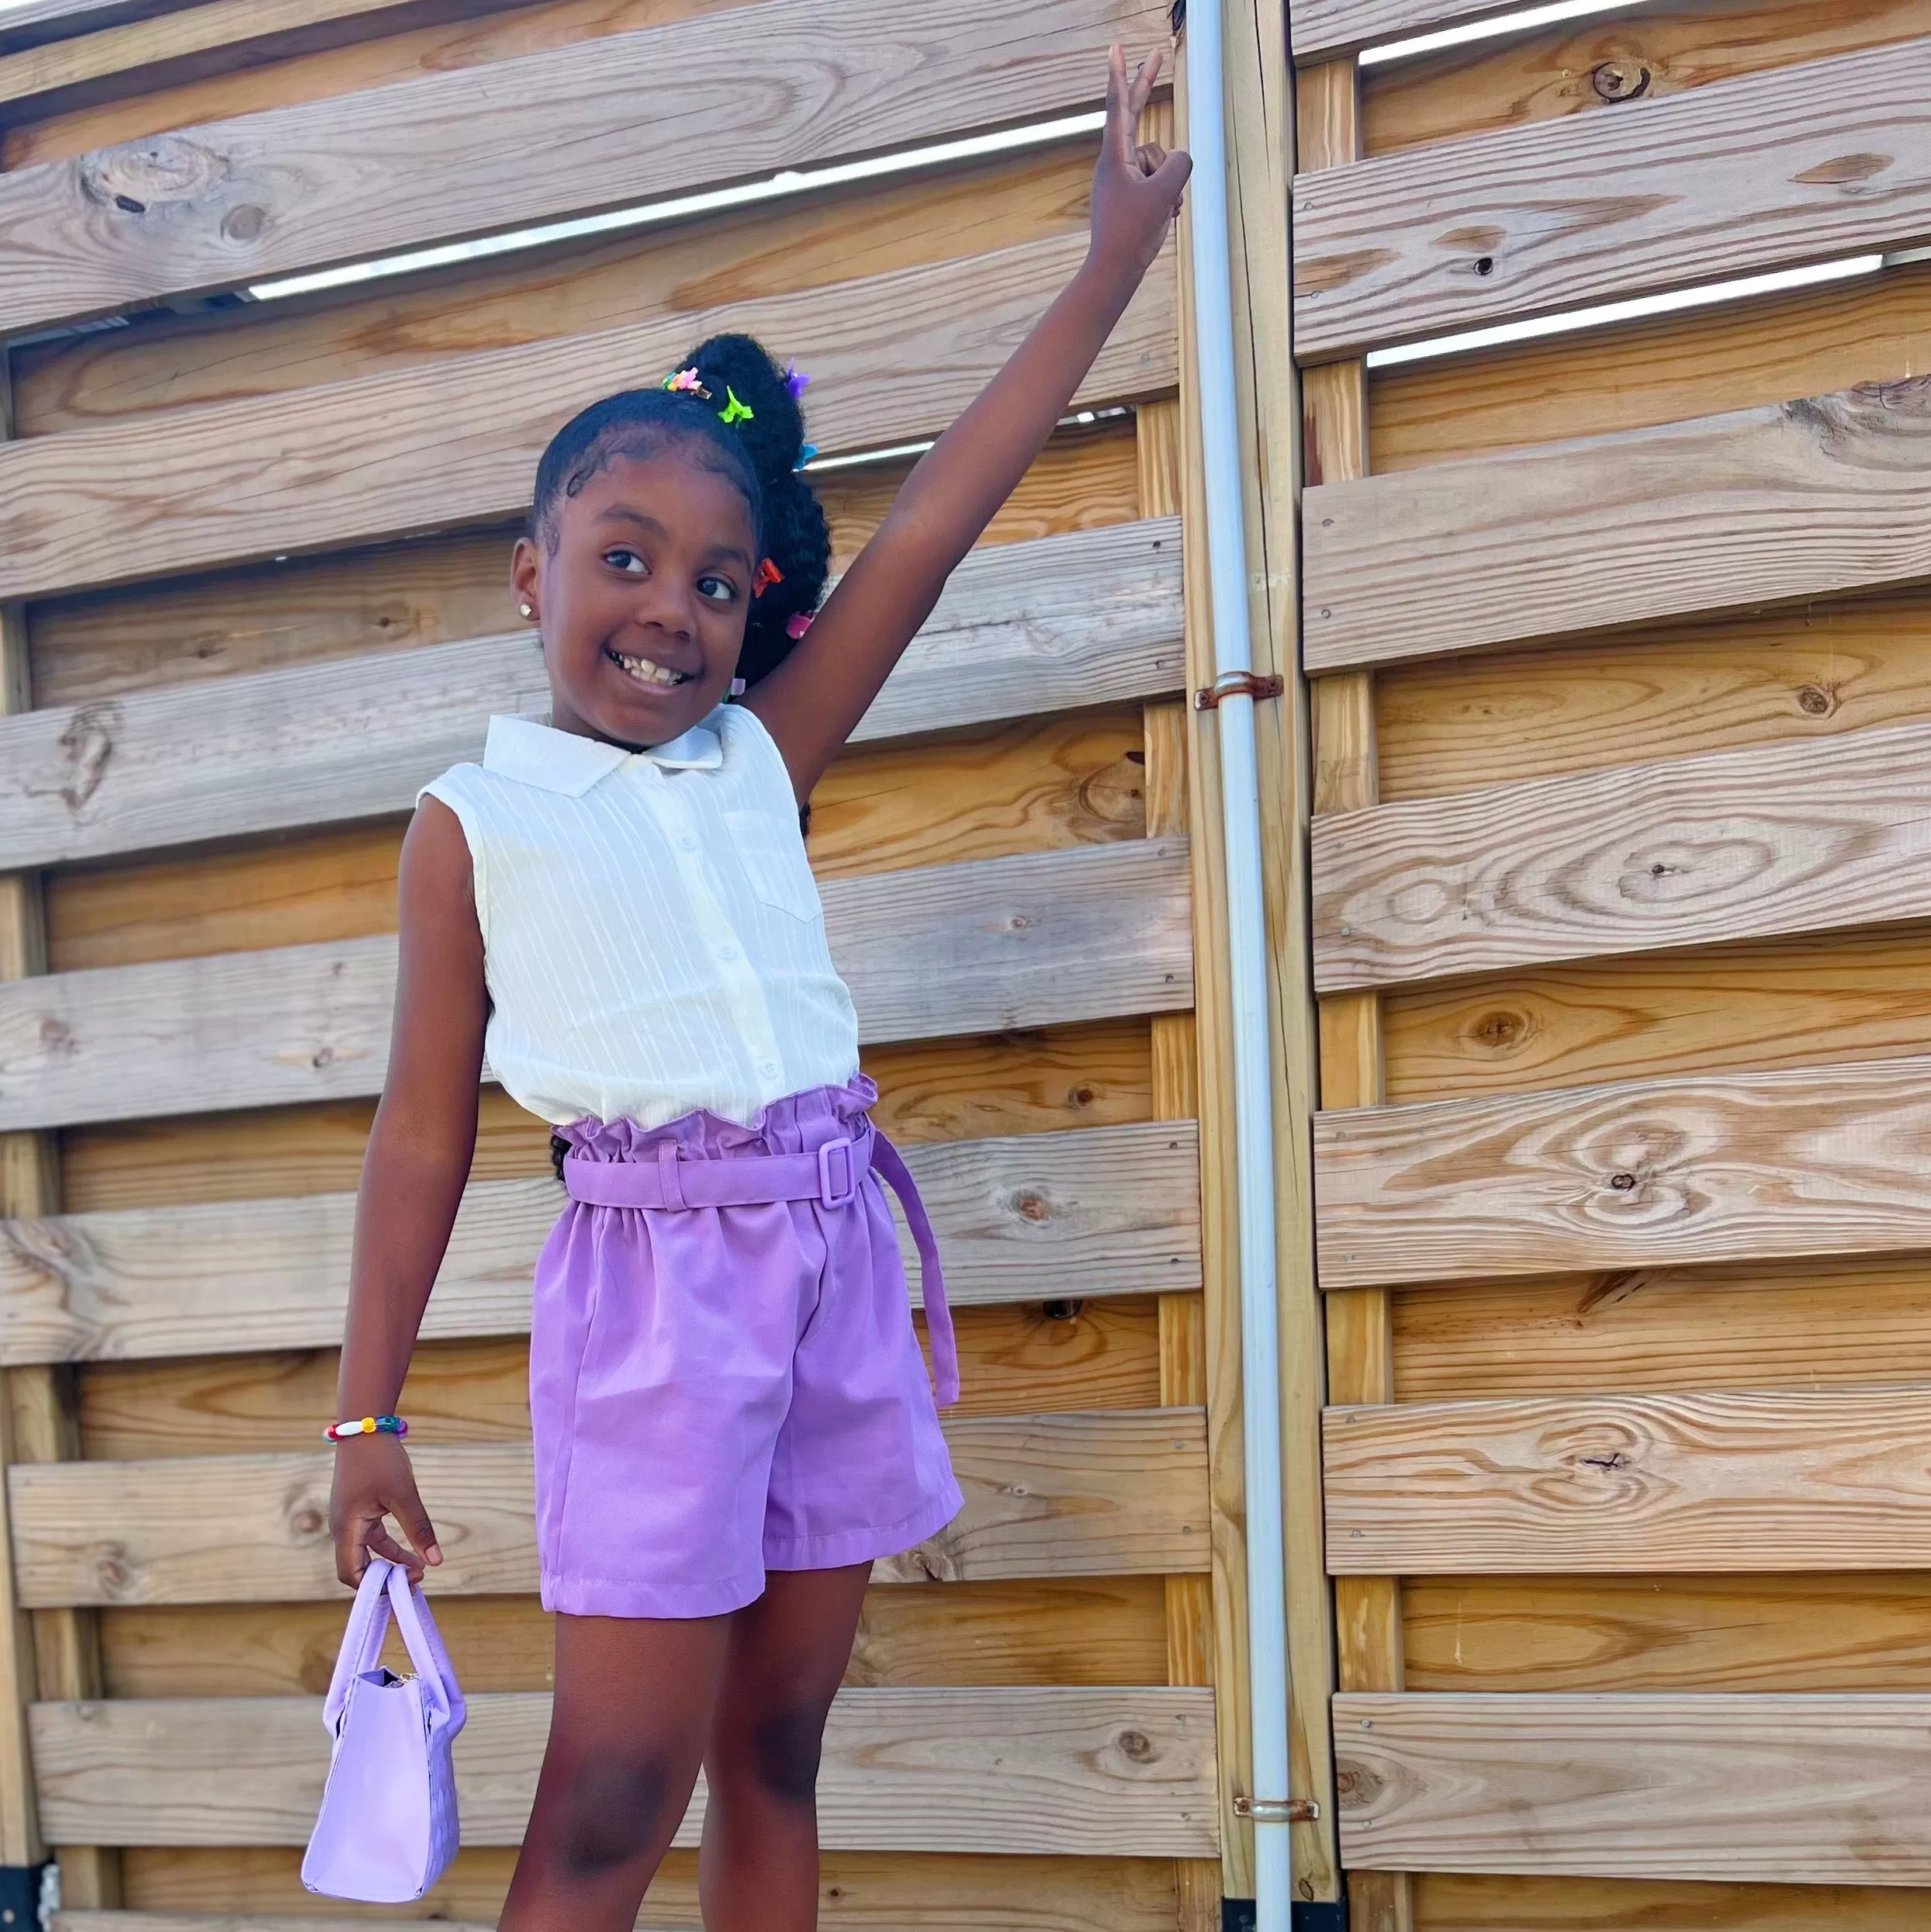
(538, 754)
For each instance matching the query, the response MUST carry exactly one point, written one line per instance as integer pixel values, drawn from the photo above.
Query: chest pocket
(774, 864)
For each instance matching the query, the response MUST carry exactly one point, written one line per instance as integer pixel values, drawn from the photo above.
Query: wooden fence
(1622, 688)
(254, 553)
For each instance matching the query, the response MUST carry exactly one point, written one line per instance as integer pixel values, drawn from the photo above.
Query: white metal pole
(1253, 1073)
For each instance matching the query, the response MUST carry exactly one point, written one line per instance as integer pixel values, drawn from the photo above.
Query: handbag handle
(385, 1588)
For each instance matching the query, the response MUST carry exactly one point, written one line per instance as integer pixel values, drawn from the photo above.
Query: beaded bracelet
(367, 1425)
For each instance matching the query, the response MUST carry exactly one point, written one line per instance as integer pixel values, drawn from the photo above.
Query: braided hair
(760, 451)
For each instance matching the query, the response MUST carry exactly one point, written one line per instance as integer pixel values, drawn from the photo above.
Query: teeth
(646, 673)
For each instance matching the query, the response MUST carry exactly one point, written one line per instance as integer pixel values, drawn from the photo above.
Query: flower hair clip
(687, 382)
(768, 574)
(801, 622)
(796, 381)
(734, 411)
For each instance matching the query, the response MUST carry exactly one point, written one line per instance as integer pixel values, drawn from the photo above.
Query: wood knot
(1061, 1310)
(1136, 1745)
(244, 222)
(1614, 1459)
(1845, 171)
(1500, 1029)
(56, 1036)
(1622, 1183)
(1814, 701)
(114, 1575)
(1620, 80)
(87, 744)
(307, 1522)
(1355, 1786)
(166, 171)
(1032, 1207)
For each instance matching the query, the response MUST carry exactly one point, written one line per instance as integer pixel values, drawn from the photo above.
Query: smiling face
(641, 597)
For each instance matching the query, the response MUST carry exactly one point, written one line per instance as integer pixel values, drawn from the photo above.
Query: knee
(784, 1748)
(613, 1812)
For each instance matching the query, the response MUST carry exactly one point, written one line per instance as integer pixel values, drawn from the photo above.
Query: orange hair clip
(768, 574)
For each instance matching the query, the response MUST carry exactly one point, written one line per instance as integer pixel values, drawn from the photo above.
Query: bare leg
(634, 1698)
(758, 1871)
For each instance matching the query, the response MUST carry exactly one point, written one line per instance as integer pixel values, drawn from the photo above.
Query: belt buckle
(826, 1195)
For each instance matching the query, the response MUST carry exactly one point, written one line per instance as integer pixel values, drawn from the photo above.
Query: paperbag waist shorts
(719, 1385)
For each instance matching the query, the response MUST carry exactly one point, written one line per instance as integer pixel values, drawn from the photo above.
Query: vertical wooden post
(1360, 1336)
(51, 1653)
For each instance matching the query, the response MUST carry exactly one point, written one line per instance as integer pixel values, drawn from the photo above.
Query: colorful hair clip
(734, 411)
(768, 574)
(799, 623)
(687, 382)
(796, 381)
(804, 458)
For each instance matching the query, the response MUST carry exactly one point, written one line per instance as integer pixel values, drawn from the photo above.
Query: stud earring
(528, 610)
(737, 687)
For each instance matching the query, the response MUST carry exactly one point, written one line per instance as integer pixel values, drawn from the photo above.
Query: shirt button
(769, 1068)
(687, 843)
(727, 952)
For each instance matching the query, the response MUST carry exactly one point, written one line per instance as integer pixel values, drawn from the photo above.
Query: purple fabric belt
(831, 1177)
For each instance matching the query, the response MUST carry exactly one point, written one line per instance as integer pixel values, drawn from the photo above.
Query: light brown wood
(1452, 1903)
(1685, 1633)
(1009, 1771)
(39, 22)
(1113, 1493)
(228, 1922)
(1099, 1211)
(893, 357)
(305, 187)
(1697, 516)
(1820, 1790)
(1684, 852)
(1831, 1480)
(1602, 64)
(1030, 941)
(1753, 174)
(1652, 1173)
(859, 1891)
(1321, 28)
(1085, 619)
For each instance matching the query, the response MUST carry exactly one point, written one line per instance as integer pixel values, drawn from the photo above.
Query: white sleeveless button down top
(653, 942)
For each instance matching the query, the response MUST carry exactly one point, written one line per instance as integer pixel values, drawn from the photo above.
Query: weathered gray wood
(1790, 838)
(1824, 1479)
(1040, 939)
(893, 356)
(1798, 164)
(32, 23)
(1091, 618)
(541, 136)
(1119, 1492)
(1762, 506)
(1737, 1167)
(1319, 30)
(1095, 1211)
(230, 1922)
(1802, 1790)
(1129, 1772)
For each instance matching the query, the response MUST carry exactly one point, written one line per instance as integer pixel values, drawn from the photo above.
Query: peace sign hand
(1138, 186)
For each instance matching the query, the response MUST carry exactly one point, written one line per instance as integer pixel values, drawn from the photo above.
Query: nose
(662, 604)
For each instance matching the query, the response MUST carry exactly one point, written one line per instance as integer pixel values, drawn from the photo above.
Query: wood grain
(1801, 164)
(1589, 66)
(1801, 499)
(1652, 1173)
(1009, 1771)
(1780, 839)
(1322, 28)
(1827, 1480)
(1117, 1492)
(1453, 1902)
(1098, 1211)
(941, 950)
(420, 162)
(1089, 618)
(893, 357)
(1820, 1790)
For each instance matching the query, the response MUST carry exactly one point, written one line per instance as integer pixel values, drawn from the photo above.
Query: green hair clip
(734, 411)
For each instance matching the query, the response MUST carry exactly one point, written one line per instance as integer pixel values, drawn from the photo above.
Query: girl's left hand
(1138, 186)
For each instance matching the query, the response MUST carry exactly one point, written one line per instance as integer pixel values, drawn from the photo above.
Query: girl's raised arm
(413, 1177)
(812, 701)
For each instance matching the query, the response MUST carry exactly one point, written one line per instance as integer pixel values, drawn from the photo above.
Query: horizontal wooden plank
(1318, 29)
(1817, 1790)
(1827, 1480)
(1761, 506)
(1824, 1160)
(234, 1922)
(1831, 157)
(1779, 838)
(1117, 1492)
(1088, 619)
(1461, 1901)
(939, 951)
(893, 356)
(39, 22)
(1012, 1770)
(421, 162)
(1068, 1215)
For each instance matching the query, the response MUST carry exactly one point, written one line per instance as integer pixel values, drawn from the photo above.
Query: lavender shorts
(718, 1391)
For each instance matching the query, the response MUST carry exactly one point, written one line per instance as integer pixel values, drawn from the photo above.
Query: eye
(719, 589)
(627, 561)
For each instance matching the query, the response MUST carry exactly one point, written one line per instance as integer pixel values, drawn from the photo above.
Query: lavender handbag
(387, 1829)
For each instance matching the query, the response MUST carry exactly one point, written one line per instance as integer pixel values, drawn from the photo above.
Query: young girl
(731, 1416)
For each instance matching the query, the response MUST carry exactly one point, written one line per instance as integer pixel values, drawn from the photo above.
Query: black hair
(760, 454)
